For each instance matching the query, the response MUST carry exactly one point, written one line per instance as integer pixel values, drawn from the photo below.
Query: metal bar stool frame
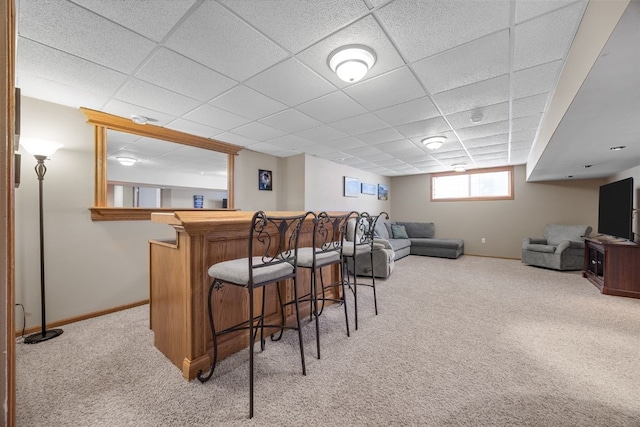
(363, 242)
(326, 250)
(273, 252)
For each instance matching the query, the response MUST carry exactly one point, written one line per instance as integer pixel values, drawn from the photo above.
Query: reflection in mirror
(153, 173)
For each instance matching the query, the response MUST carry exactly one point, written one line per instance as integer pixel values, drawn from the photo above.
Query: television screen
(615, 209)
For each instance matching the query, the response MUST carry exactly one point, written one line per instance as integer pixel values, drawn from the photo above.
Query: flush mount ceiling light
(126, 161)
(141, 120)
(434, 142)
(477, 117)
(351, 62)
(459, 167)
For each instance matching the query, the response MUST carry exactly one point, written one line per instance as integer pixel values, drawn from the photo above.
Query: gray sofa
(561, 248)
(391, 246)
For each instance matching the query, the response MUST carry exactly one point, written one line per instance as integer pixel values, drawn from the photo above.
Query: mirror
(172, 170)
(152, 173)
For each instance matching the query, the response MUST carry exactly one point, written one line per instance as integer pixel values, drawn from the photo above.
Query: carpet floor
(467, 342)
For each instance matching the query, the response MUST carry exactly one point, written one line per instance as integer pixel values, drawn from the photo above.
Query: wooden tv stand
(613, 266)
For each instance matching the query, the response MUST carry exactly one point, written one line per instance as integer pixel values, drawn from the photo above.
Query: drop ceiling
(481, 73)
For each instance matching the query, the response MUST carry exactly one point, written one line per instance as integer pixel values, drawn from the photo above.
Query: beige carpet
(472, 342)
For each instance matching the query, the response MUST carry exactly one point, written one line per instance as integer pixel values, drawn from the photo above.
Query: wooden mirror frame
(104, 121)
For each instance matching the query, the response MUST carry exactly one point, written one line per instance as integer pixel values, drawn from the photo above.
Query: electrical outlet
(483, 240)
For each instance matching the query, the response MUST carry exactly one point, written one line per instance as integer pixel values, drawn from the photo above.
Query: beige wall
(247, 195)
(502, 223)
(324, 187)
(635, 174)
(90, 266)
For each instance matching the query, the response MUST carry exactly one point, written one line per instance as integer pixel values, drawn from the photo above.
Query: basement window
(479, 184)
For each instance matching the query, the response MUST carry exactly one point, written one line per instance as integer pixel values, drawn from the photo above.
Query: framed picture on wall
(383, 192)
(265, 180)
(368, 188)
(351, 187)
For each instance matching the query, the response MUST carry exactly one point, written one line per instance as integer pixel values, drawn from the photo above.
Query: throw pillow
(399, 232)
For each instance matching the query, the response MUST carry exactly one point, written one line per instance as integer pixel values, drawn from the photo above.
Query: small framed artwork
(265, 180)
(368, 189)
(351, 187)
(383, 192)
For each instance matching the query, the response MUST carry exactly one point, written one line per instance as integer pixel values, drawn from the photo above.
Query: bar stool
(272, 257)
(326, 250)
(361, 241)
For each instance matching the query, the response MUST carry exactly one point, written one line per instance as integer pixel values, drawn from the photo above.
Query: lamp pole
(44, 334)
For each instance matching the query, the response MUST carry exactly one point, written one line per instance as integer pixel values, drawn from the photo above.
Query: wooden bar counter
(178, 286)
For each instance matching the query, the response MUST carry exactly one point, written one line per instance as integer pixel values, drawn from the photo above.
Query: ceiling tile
(73, 29)
(536, 80)
(388, 89)
(546, 38)
(527, 9)
(374, 158)
(125, 109)
(422, 28)
(365, 32)
(294, 24)
(367, 150)
(290, 121)
(359, 124)
(216, 117)
(318, 149)
(487, 140)
(193, 128)
(129, 14)
(345, 143)
(263, 147)
(526, 123)
(258, 131)
(472, 62)
(36, 59)
(383, 135)
(408, 112)
(489, 129)
(235, 139)
(424, 128)
(396, 146)
(321, 133)
(487, 92)
(247, 102)
(485, 149)
(488, 114)
(168, 69)
(525, 135)
(145, 94)
(332, 107)
(530, 105)
(291, 83)
(220, 40)
(291, 142)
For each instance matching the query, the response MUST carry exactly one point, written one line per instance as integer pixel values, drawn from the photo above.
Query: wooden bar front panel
(179, 285)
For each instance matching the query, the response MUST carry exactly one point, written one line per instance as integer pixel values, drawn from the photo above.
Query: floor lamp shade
(41, 150)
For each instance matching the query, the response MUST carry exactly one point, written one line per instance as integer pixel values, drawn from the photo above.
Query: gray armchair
(562, 247)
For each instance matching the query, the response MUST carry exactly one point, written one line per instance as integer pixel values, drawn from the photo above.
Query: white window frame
(468, 198)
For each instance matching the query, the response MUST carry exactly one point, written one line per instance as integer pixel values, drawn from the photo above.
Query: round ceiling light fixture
(459, 167)
(434, 142)
(126, 161)
(141, 120)
(352, 62)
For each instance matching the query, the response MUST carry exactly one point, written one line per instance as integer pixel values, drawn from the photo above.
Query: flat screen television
(615, 209)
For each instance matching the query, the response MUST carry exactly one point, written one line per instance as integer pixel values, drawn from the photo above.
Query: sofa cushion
(537, 247)
(397, 244)
(381, 230)
(399, 232)
(555, 233)
(419, 229)
(438, 243)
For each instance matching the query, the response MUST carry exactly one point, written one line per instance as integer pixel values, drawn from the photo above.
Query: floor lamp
(41, 150)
